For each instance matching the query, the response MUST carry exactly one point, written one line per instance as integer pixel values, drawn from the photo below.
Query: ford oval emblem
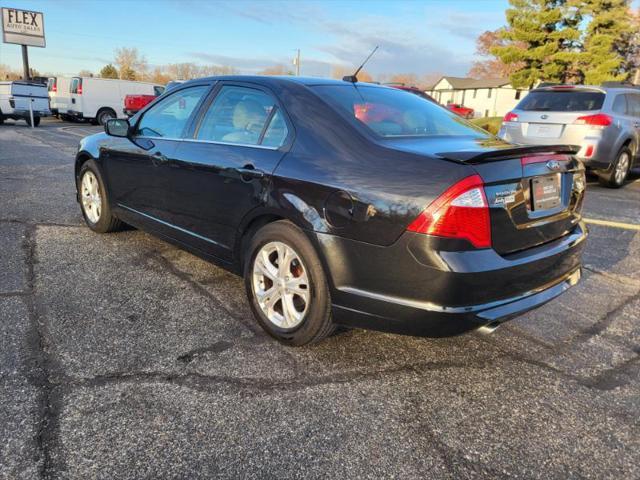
(544, 117)
(553, 165)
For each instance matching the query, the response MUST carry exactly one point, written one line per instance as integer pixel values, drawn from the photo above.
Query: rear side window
(245, 116)
(633, 104)
(170, 116)
(562, 101)
(390, 112)
(620, 105)
(75, 85)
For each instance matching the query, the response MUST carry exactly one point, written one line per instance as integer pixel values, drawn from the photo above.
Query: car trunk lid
(534, 193)
(533, 199)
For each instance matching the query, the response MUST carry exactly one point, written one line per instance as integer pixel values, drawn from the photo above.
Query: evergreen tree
(609, 41)
(109, 71)
(548, 30)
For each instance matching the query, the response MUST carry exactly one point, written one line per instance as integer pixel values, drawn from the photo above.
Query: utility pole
(25, 63)
(296, 61)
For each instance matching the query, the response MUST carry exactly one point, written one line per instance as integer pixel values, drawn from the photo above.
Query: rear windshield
(562, 101)
(390, 112)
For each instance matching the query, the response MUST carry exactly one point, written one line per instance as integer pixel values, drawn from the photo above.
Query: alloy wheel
(91, 199)
(622, 165)
(281, 285)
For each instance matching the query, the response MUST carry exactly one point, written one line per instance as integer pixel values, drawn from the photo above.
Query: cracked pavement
(123, 357)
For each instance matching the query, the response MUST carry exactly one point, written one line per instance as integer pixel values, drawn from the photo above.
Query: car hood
(470, 149)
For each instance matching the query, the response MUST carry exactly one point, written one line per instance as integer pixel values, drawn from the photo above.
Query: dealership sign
(23, 27)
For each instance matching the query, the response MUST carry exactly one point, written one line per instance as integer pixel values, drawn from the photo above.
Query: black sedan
(342, 203)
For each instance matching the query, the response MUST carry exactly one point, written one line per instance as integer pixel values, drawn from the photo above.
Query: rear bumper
(601, 141)
(26, 114)
(397, 289)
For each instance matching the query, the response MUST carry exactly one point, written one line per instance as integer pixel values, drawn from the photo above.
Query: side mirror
(117, 127)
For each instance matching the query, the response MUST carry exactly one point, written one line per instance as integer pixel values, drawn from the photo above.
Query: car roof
(597, 88)
(283, 79)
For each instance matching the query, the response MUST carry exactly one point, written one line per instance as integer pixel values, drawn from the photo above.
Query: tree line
(564, 41)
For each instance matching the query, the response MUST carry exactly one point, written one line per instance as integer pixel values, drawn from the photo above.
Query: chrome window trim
(194, 140)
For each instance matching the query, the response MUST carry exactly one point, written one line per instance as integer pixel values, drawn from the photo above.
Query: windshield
(390, 112)
(562, 101)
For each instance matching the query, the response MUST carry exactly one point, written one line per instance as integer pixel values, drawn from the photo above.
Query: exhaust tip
(488, 328)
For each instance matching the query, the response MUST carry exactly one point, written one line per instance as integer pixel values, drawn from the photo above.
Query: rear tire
(104, 115)
(94, 201)
(36, 121)
(295, 306)
(619, 169)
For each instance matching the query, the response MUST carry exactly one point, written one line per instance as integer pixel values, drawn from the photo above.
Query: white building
(489, 97)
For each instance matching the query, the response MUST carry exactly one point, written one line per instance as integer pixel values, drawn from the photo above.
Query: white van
(100, 99)
(17, 98)
(59, 96)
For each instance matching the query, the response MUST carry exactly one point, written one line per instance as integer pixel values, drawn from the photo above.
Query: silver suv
(603, 121)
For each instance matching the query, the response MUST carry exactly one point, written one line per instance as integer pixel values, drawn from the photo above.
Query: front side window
(390, 112)
(170, 116)
(245, 116)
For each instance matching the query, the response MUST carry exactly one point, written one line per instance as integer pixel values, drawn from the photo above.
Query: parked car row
(602, 121)
(99, 99)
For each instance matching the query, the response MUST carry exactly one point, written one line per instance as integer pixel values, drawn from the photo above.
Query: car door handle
(250, 172)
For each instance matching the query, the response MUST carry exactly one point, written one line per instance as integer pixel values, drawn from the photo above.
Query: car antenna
(354, 78)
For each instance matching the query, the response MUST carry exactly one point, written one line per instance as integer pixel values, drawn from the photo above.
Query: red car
(464, 112)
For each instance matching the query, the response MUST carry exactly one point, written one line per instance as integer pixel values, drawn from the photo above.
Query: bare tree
(7, 73)
(131, 64)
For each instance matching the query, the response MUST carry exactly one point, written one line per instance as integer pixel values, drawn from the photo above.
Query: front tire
(94, 202)
(286, 285)
(619, 170)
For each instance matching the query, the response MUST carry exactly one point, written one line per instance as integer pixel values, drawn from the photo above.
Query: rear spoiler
(475, 156)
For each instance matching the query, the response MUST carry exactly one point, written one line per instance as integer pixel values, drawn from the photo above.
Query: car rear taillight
(460, 212)
(597, 120)
(79, 90)
(54, 87)
(510, 117)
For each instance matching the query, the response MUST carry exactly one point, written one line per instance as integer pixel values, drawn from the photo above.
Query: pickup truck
(20, 100)
(134, 103)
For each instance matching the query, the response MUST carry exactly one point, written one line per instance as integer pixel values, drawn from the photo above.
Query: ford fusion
(342, 203)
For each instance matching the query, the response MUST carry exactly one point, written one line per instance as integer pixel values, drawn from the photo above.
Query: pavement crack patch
(169, 266)
(42, 365)
(217, 347)
(618, 376)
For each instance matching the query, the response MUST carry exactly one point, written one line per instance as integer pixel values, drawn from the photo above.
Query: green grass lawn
(491, 124)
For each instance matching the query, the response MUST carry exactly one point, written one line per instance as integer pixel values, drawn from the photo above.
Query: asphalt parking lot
(123, 357)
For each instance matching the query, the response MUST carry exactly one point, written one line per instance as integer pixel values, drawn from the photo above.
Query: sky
(414, 36)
